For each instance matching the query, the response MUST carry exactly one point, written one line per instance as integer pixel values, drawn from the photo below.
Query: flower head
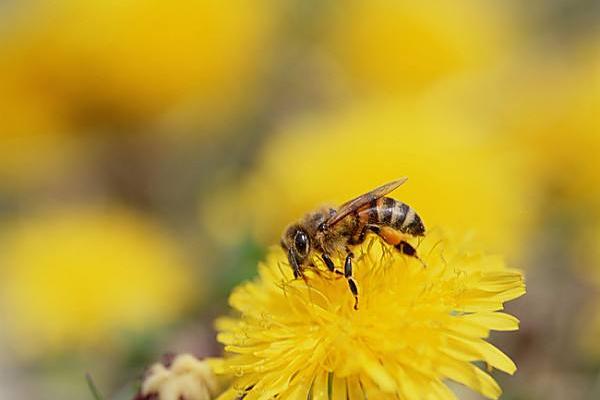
(553, 124)
(185, 378)
(34, 143)
(416, 326)
(403, 47)
(97, 59)
(81, 277)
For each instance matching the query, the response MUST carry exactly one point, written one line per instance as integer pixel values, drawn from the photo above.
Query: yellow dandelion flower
(81, 278)
(415, 329)
(185, 378)
(458, 178)
(402, 47)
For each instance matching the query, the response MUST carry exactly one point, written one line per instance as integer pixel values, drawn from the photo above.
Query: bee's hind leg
(350, 278)
(397, 239)
(406, 248)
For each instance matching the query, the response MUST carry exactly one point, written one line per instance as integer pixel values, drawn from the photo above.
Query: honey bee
(329, 231)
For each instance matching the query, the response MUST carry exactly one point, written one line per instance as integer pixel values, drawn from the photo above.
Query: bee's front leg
(330, 265)
(350, 278)
(328, 262)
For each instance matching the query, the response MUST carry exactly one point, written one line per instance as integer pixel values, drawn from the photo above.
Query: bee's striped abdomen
(386, 211)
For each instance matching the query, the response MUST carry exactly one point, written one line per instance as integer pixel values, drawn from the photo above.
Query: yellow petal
(471, 376)
(497, 321)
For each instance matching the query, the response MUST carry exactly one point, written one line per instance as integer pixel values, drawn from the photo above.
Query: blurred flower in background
(79, 278)
(33, 143)
(130, 62)
(550, 114)
(391, 47)
(457, 176)
(184, 377)
(546, 108)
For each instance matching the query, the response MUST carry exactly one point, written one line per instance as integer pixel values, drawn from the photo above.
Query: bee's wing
(354, 204)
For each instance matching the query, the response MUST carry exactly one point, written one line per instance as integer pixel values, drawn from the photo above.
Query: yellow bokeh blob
(33, 135)
(457, 176)
(550, 114)
(130, 61)
(79, 278)
(403, 47)
(71, 69)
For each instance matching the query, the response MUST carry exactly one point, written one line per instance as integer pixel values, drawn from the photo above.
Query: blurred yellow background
(150, 151)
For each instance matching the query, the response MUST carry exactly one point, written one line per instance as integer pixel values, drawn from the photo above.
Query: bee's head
(296, 243)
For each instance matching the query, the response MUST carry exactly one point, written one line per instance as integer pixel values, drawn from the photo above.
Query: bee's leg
(397, 240)
(406, 248)
(329, 263)
(359, 236)
(350, 278)
(409, 250)
(375, 229)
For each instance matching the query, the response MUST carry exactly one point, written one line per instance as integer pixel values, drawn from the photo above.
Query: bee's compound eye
(301, 242)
